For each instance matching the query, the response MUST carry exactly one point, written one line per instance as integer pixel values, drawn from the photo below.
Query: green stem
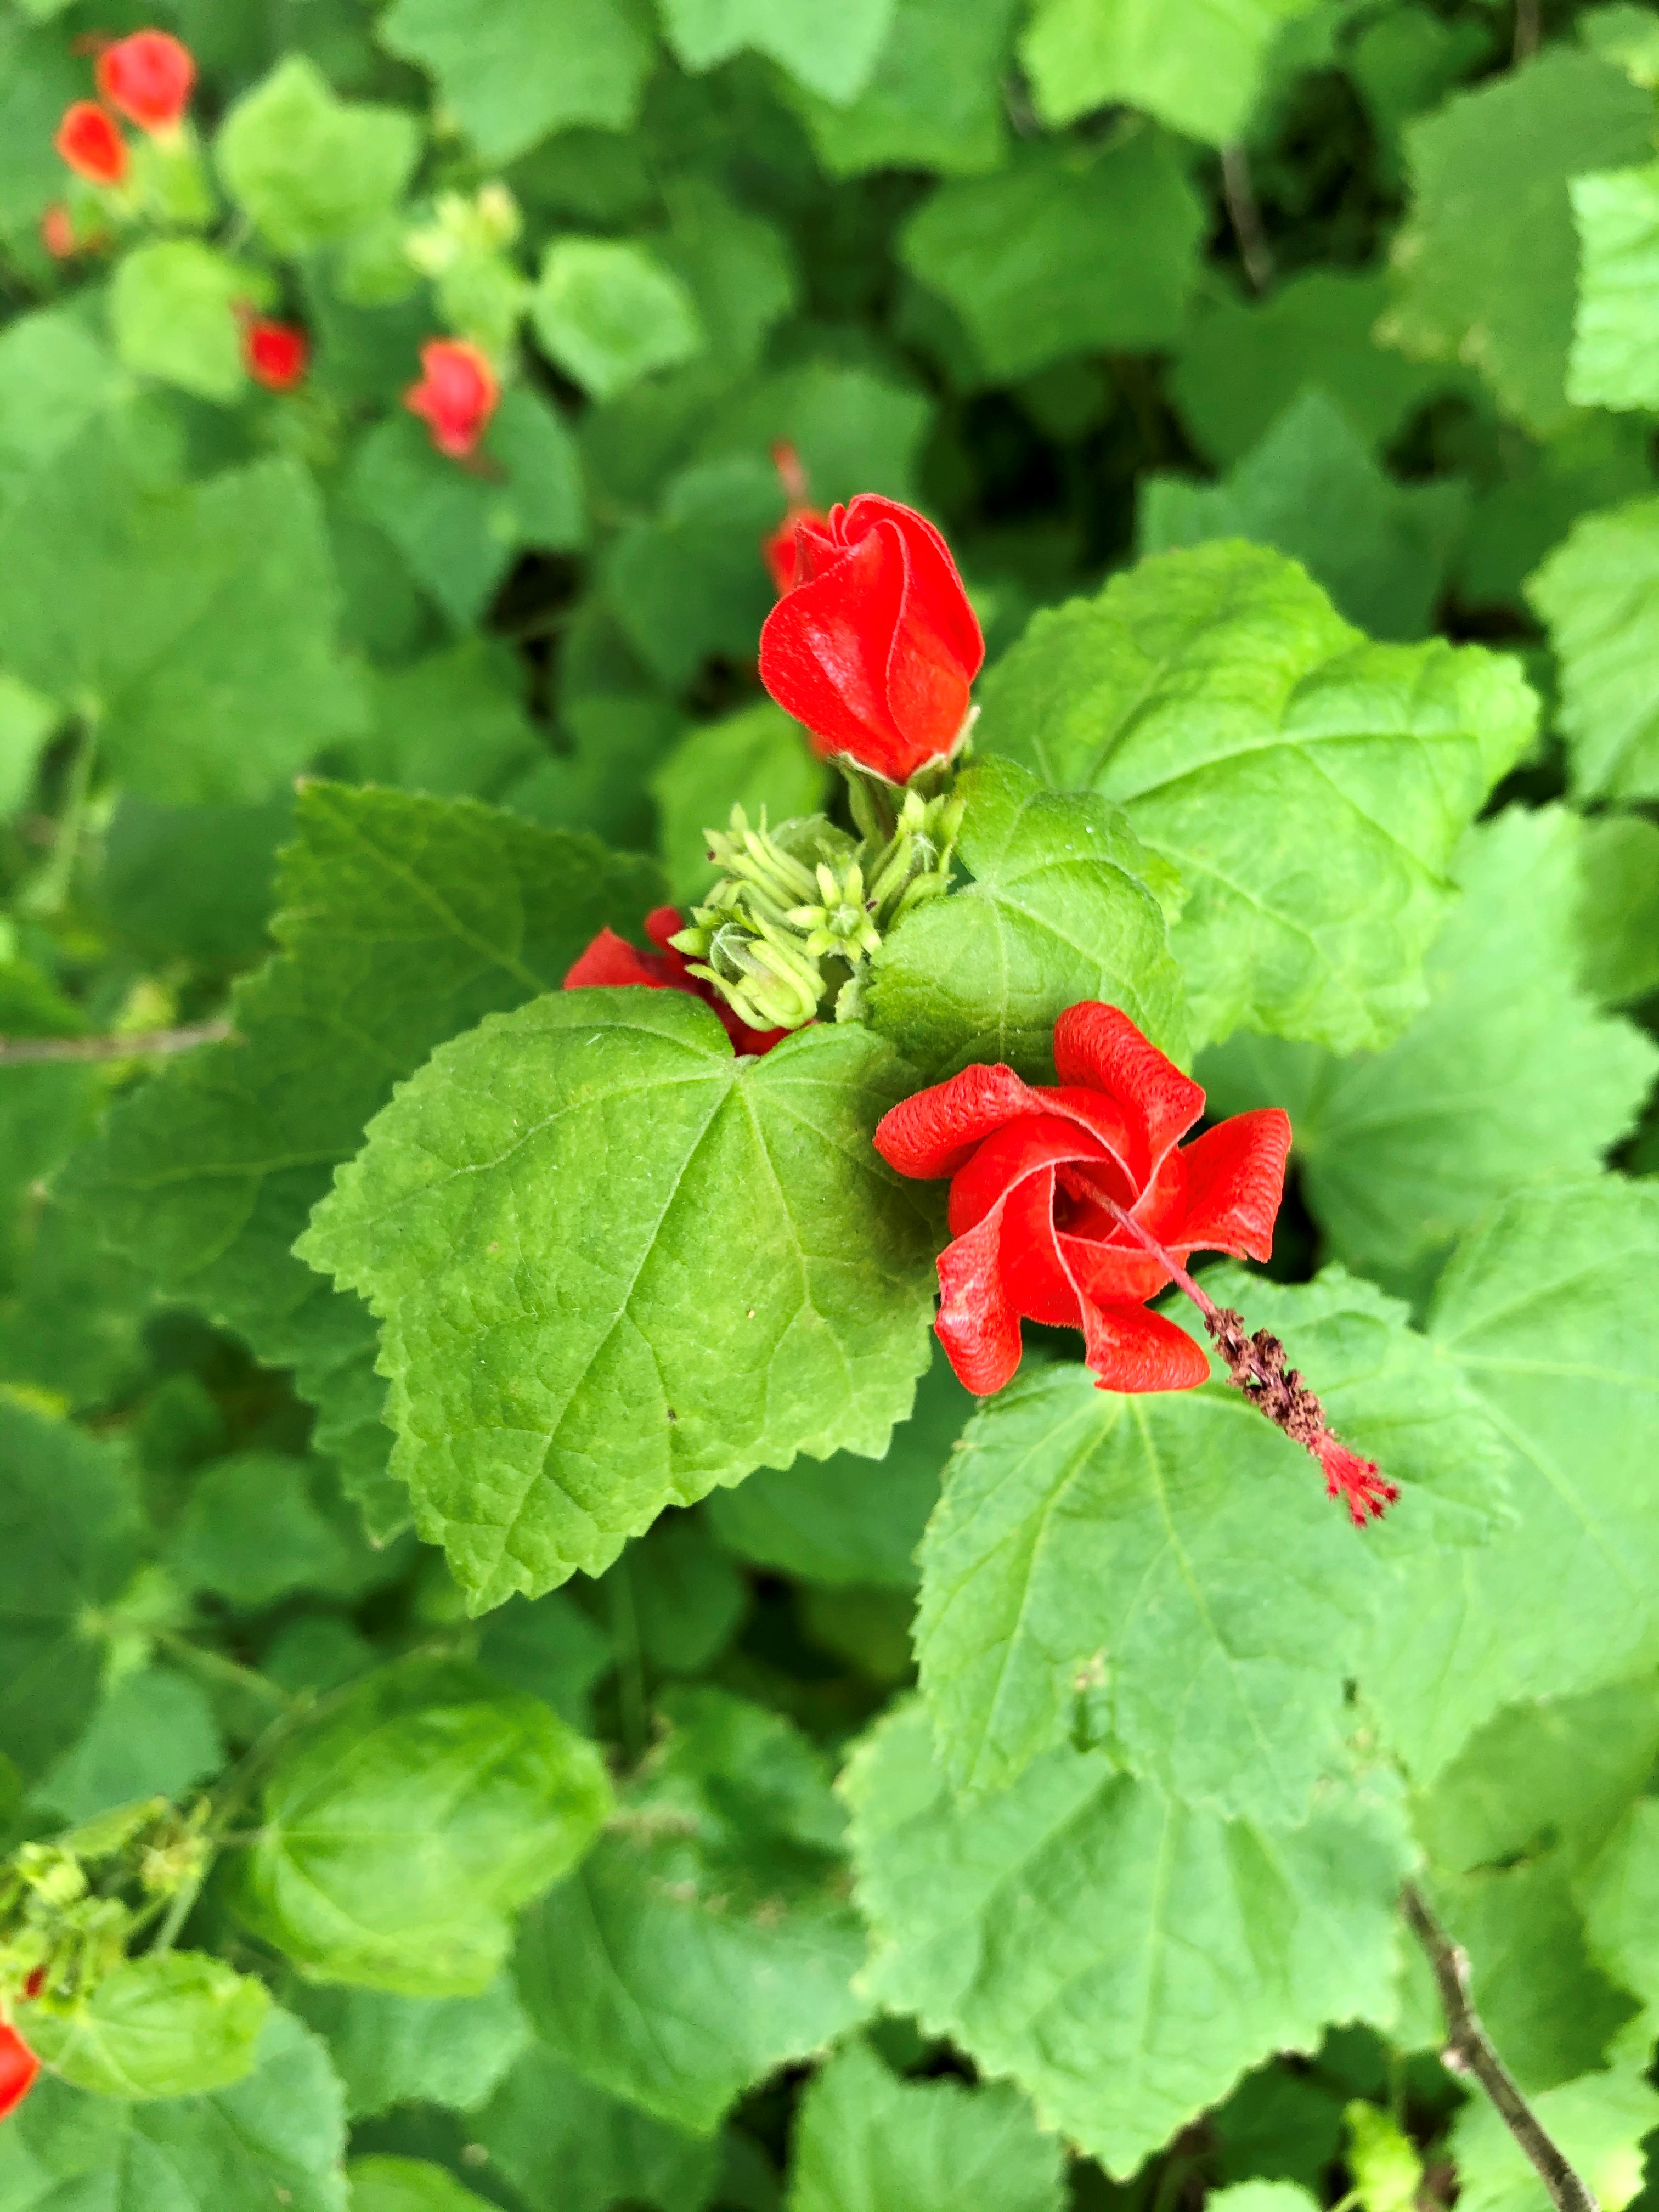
(630, 1659)
(229, 1671)
(48, 894)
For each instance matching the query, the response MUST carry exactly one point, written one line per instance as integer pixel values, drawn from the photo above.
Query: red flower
(612, 959)
(57, 231)
(275, 354)
(874, 646)
(89, 142)
(777, 550)
(18, 2068)
(148, 78)
(1038, 1177)
(456, 395)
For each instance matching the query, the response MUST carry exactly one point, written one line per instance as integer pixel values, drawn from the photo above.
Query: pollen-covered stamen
(1259, 1366)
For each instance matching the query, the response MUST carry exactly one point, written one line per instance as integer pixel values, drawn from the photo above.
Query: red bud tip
(89, 141)
(148, 78)
(275, 355)
(57, 231)
(1359, 1483)
(456, 396)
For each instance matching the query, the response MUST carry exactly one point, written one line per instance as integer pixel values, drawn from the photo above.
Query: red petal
(825, 647)
(1098, 1046)
(1133, 1351)
(1112, 1274)
(1035, 1278)
(935, 1133)
(1235, 1184)
(610, 959)
(937, 597)
(976, 1323)
(1034, 1143)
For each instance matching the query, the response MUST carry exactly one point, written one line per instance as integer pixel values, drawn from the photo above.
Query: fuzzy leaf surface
(1599, 593)
(1310, 787)
(618, 1266)
(1122, 1956)
(1195, 64)
(513, 72)
(1058, 908)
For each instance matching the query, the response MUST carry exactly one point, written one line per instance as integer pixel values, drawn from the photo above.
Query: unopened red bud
(456, 396)
(275, 354)
(89, 141)
(148, 78)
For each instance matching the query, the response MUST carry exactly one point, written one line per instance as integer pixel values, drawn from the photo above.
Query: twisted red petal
(1235, 1175)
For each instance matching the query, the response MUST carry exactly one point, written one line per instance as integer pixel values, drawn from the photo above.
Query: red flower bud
(611, 959)
(1040, 1177)
(57, 231)
(89, 142)
(148, 78)
(18, 2068)
(874, 646)
(275, 353)
(456, 395)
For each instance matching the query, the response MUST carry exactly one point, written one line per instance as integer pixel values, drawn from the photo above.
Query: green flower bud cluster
(787, 934)
(64, 1920)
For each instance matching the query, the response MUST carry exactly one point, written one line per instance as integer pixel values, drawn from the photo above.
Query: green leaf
(757, 1283)
(736, 267)
(1386, 2165)
(1627, 35)
(1058, 908)
(1620, 1891)
(757, 759)
(560, 2141)
(851, 1522)
(1263, 2196)
(1617, 215)
(453, 724)
(1552, 1774)
(1598, 2124)
(1309, 787)
(275, 2138)
(1196, 65)
(196, 884)
(854, 429)
(1619, 910)
(512, 74)
(152, 1734)
(1242, 363)
(174, 2024)
(173, 310)
(408, 1821)
(1404, 1150)
(460, 533)
(1545, 2005)
(309, 168)
(176, 613)
(1165, 1576)
(608, 313)
(690, 582)
(405, 920)
(689, 1598)
(407, 2185)
(1599, 594)
(1550, 1310)
(1601, 459)
(1121, 1956)
(387, 2050)
(70, 1543)
(38, 77)
(549, 1648)
(27, 721)
(1486, 266)
(706, 1940)
(254, 1530)
(833, 55)
(1072, 249)
(601, 783)
(1311, 488)
(933, 102)
(865, 2142)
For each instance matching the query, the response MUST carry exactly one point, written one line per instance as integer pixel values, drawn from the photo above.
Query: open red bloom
(18, 2068)
(1036, 1173)
(148, 78)
(777, 550)
(612, 959)
(89, 142)
(275, 354)
(874, 646)
(456, 395)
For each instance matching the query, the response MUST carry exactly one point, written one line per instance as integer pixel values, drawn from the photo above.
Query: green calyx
(787, 936)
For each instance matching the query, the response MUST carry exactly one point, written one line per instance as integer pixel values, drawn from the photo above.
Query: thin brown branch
(143, 1044)
(1469, 2050)
(1245, 215)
